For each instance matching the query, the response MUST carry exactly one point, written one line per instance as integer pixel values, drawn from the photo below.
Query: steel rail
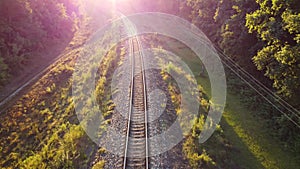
(132, 88)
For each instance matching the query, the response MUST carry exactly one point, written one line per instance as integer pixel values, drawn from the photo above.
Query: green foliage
(197, 157)
(259, 35)
(203, 14)
(27, 27)
(224, 24)
(44, 111)
(58, 152)
(236, 41)
(53, 139)
(99, 165)
(277, 23)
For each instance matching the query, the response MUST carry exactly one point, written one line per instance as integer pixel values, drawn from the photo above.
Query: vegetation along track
(136, 147)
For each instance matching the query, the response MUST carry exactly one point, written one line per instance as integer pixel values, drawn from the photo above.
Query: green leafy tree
(202, 13)
(27, 27)
(236, 42)
(277, 23)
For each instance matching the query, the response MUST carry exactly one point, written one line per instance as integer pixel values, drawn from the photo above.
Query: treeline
(29, 27)
(263, 37)
(263, 33)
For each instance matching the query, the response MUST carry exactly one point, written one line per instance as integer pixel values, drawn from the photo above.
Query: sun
(117, 1)
(114, 1)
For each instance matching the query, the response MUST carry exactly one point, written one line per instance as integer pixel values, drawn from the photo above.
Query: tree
(202, 15)
(277, 23)
(28, 26)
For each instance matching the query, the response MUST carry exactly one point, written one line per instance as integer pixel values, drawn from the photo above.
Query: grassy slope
(249, 136)
(47, 106)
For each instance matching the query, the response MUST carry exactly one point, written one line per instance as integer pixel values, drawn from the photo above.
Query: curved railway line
(136, 145)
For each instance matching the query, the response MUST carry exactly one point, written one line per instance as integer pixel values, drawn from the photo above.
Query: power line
(259, 83)
(261, 86)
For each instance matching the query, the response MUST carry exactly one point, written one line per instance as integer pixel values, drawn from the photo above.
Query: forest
(28, 28)
(261, 36)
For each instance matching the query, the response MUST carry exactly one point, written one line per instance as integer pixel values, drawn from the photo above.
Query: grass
(254, 145)
(53, 139)
(250, 134)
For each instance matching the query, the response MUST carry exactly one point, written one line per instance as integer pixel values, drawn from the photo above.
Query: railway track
(136, 145)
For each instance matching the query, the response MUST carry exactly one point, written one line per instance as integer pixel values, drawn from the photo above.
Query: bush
(99, 165)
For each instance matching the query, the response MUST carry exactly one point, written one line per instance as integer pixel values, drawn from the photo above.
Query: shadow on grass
(241, 154)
